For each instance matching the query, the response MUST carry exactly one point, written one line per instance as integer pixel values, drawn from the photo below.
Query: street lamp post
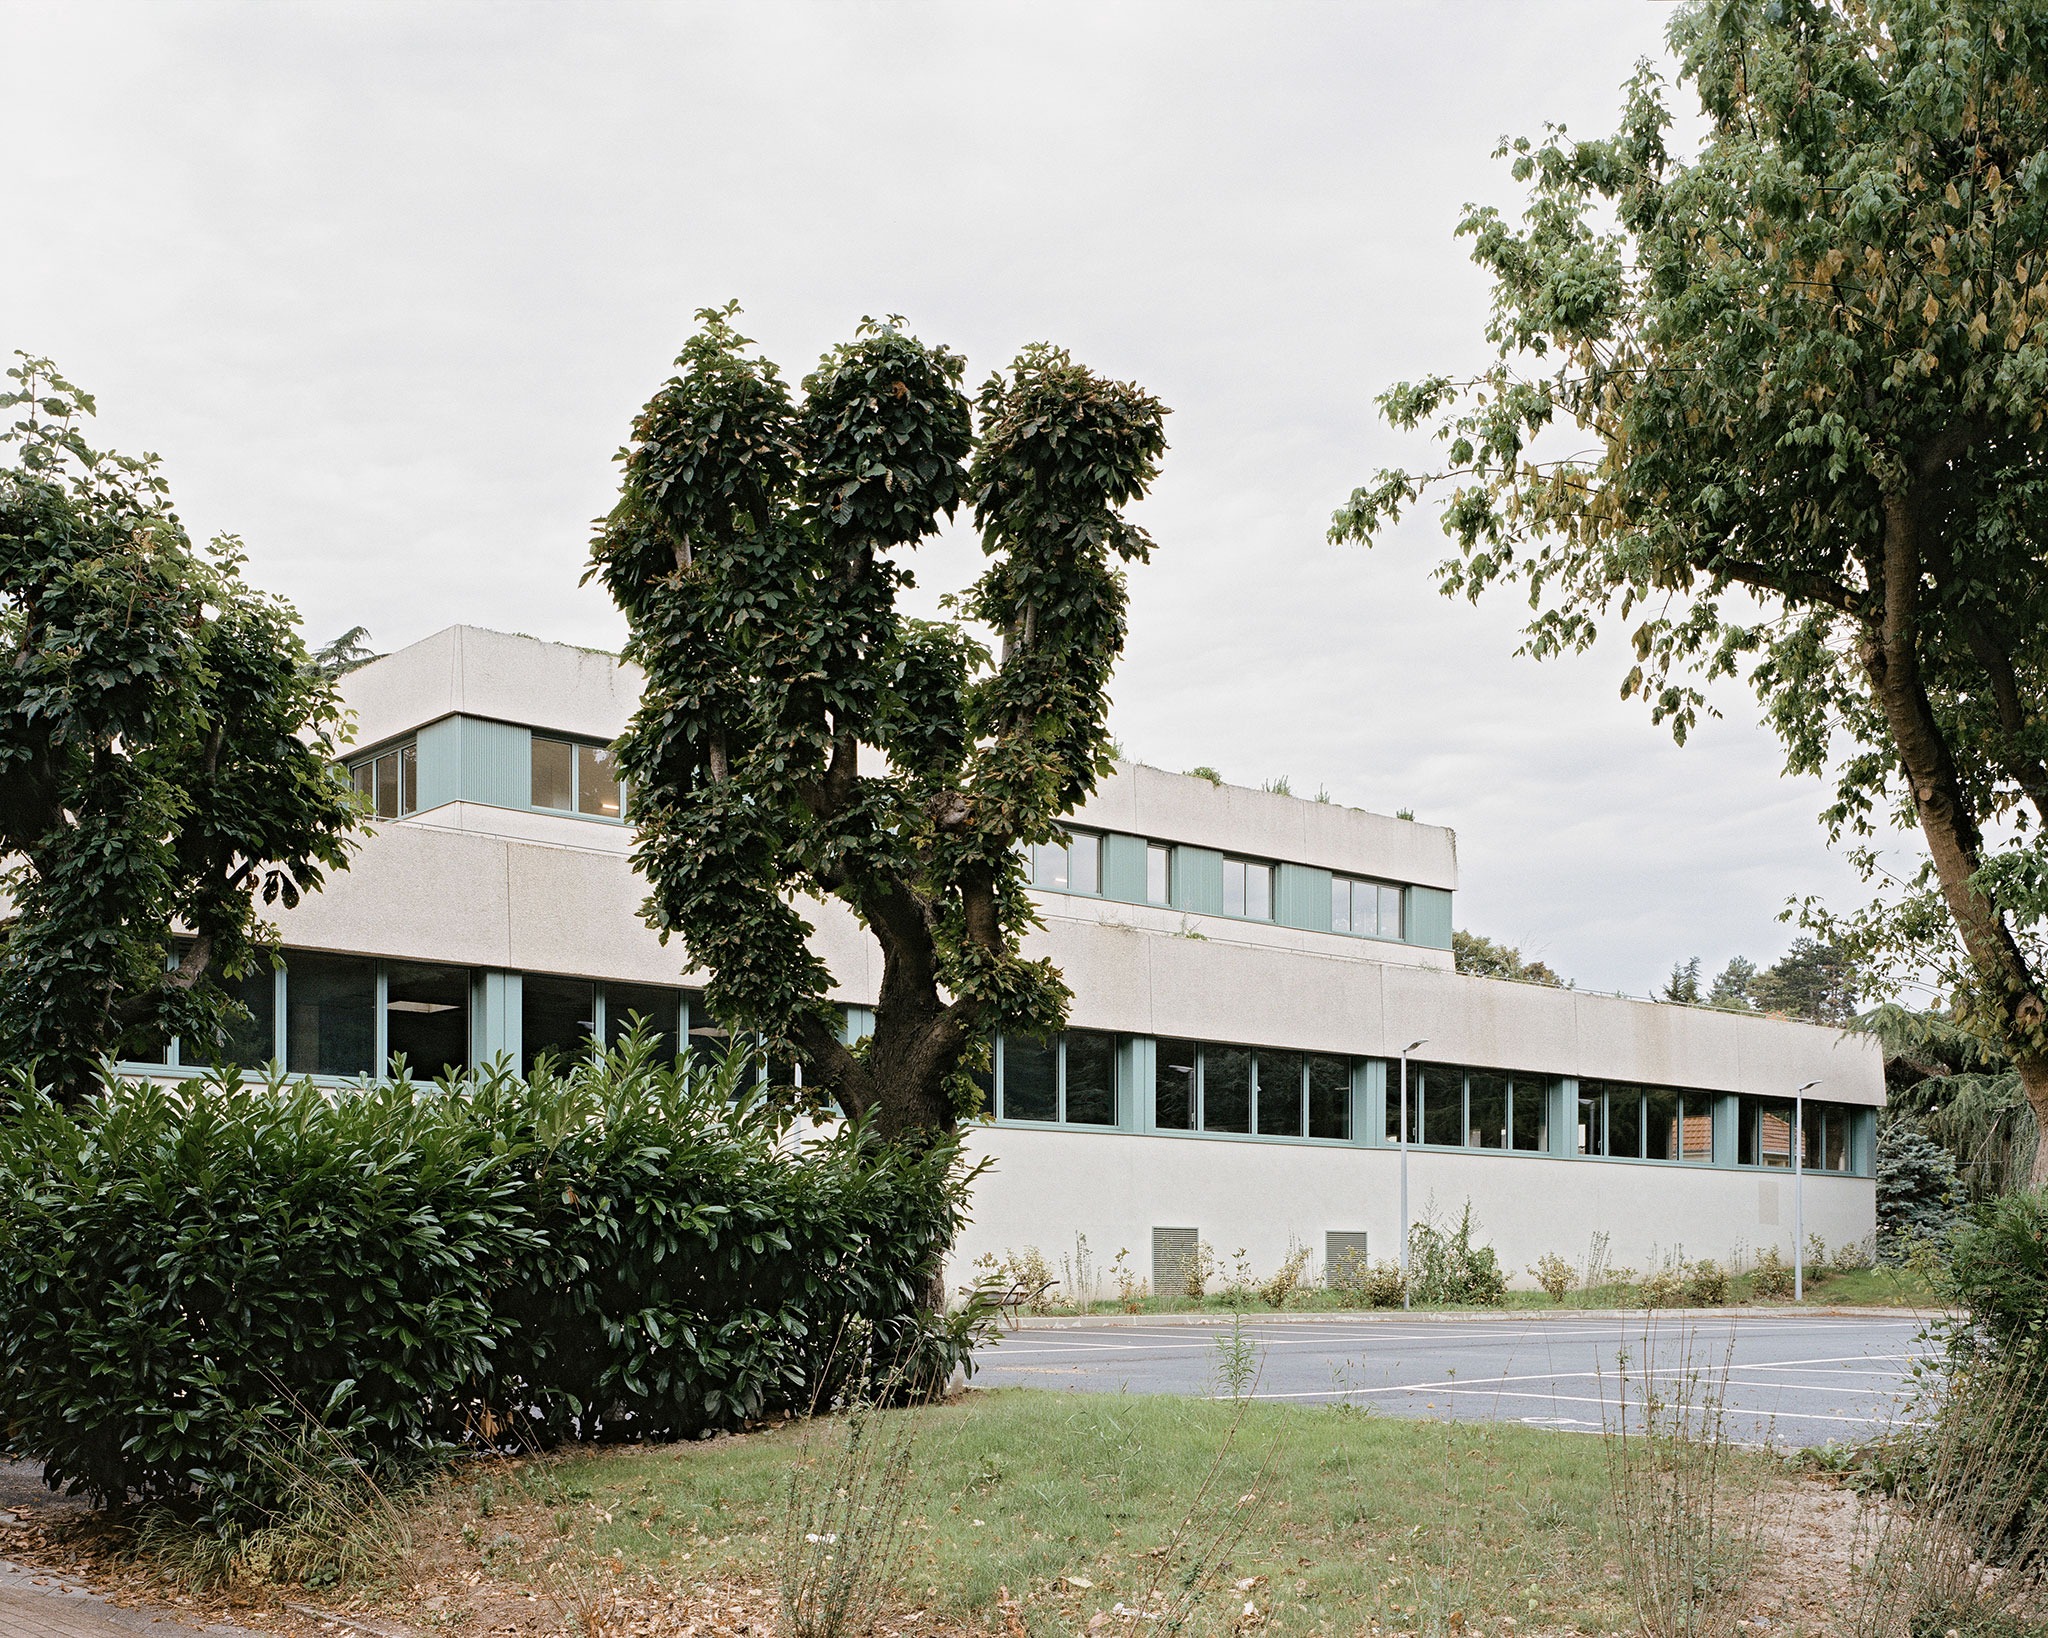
(1410, 1047)
(1799, 1191)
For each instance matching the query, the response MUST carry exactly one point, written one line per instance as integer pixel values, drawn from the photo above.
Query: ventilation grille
(1172, 1250)
(1342, 1247)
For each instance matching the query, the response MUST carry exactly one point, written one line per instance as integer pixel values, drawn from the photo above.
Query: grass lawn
(1332, 1519)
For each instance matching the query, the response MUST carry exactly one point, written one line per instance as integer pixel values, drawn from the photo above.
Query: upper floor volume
(488, 731)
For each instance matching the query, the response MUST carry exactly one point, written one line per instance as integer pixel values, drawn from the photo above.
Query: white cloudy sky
(385, 283)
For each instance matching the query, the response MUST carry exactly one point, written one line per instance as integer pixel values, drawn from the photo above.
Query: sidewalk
(36, 1604)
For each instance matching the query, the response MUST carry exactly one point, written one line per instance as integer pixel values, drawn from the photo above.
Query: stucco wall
(1047, 1187)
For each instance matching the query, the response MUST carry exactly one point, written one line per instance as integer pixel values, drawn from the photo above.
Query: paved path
(1792, 1379)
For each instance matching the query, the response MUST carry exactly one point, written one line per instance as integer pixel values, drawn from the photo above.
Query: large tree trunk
(1955, 842)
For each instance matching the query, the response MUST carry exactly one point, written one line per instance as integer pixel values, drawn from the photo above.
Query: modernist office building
(1246, 967)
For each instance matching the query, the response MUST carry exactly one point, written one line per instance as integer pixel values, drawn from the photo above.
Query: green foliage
(167, 752)
(1962, 1092)
(1444, 1266)
(1683, 986)
(1482, 957)
(1918, 1192)
(621, 1251)
(1555, 1275)
(1773, 1279)
(1810, 360)
(1814, 980)
(751, 551)
(1204, 771)
(1366, 1283)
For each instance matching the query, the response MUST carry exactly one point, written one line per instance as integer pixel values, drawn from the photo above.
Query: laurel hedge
(199, 1273)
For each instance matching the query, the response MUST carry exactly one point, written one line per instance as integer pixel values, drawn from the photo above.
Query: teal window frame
(367, 773)
(536, 738)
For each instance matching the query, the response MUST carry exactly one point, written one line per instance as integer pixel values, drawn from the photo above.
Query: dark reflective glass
(1030, 1084)
(1226, 1089)
(557, 1018)
(1625, 1122)
(1443, 1103)
(1486, 1104)
(426, 1018)
(1329, 1097)
(1280, 1093)
(1173, 1085)
(330, 1014)
(1835, 1150)
(1529, 1122)
(1661, 1135)
(1592, 1123)
(1091, 1079)
(654, 1007)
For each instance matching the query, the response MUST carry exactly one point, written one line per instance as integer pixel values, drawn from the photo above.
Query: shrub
(1286, 1279)
(1197, 1270)
(1370, 1285)
(211, 1269)
(1554, 1275)
(1706, 1284)
(1771, 1280)
(1444, 1266)
(1662, 1287)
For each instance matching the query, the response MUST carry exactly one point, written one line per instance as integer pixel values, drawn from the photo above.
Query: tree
(1683, 986)
(752, 553)
(1482, 957)
(1734, 987)
(167, 753)
(1814, 980)
(1812, 361)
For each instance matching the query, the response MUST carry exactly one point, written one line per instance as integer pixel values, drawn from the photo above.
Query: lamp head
(1412, 1045)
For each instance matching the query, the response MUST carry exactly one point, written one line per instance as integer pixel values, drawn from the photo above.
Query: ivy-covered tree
(166, 754)
(800, 736)
(1780, 407)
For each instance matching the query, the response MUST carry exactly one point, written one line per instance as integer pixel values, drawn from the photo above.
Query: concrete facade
(479, 878)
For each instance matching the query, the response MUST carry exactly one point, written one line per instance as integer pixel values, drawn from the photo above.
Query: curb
(1438, 1316)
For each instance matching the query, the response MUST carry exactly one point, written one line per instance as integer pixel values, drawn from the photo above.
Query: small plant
(1286, 1279)
(1554, 1275)
(1237, 1359)
(1444, 1266)
(1593, 1274)
(1771, 1280)
(1278, 787)
(845, 1524)
(1077, 1277)
(1197, 1270)
(1661, 1287)
(1130, 1285)
(1204, 771)
(1241, 1287)
(1690, 1511)
(1024, 1276)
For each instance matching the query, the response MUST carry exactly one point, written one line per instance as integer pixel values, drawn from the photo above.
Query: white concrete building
(1247, 969)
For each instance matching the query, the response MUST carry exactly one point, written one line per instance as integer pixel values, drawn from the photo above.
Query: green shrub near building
(199, 1273)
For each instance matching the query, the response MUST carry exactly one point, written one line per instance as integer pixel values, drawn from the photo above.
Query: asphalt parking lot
(1790, 1379)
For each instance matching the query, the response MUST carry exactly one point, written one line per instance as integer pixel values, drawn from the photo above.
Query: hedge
(199, 1271)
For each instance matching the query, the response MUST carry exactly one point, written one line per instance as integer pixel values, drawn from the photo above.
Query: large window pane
(1173, 1085)
(1774, 1133)
(1030, 1087)
(1811, 1124)
(409, 778)
(557, 1018)
(1394, 1102)
(597, 782)
(1698, 1139)
(1091, 1078)
(251, 1044)
(1226, 1089)
(654, 1007)
(1443, 1103)
(1233, 887)
(1529, 1114)
(1280, 1094)
(1486, 1103)
(1340, 904)
(1084, 863)
(1158, 874)
(1329, 1097)
(1390, 912)
(364, 777)
(1258, 892)
(1661, 1135)
(1365, 908)
(554, 774)
(330, 1015)
(390, 785)
(426, 1018)
(1049, 865)
(1592, 1122)
(1625, 1122)
(1835, 1151)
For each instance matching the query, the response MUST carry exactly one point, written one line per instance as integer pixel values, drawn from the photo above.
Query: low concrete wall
(1045, 1188)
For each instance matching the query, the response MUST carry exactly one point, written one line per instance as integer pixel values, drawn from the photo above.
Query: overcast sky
(384, 284)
